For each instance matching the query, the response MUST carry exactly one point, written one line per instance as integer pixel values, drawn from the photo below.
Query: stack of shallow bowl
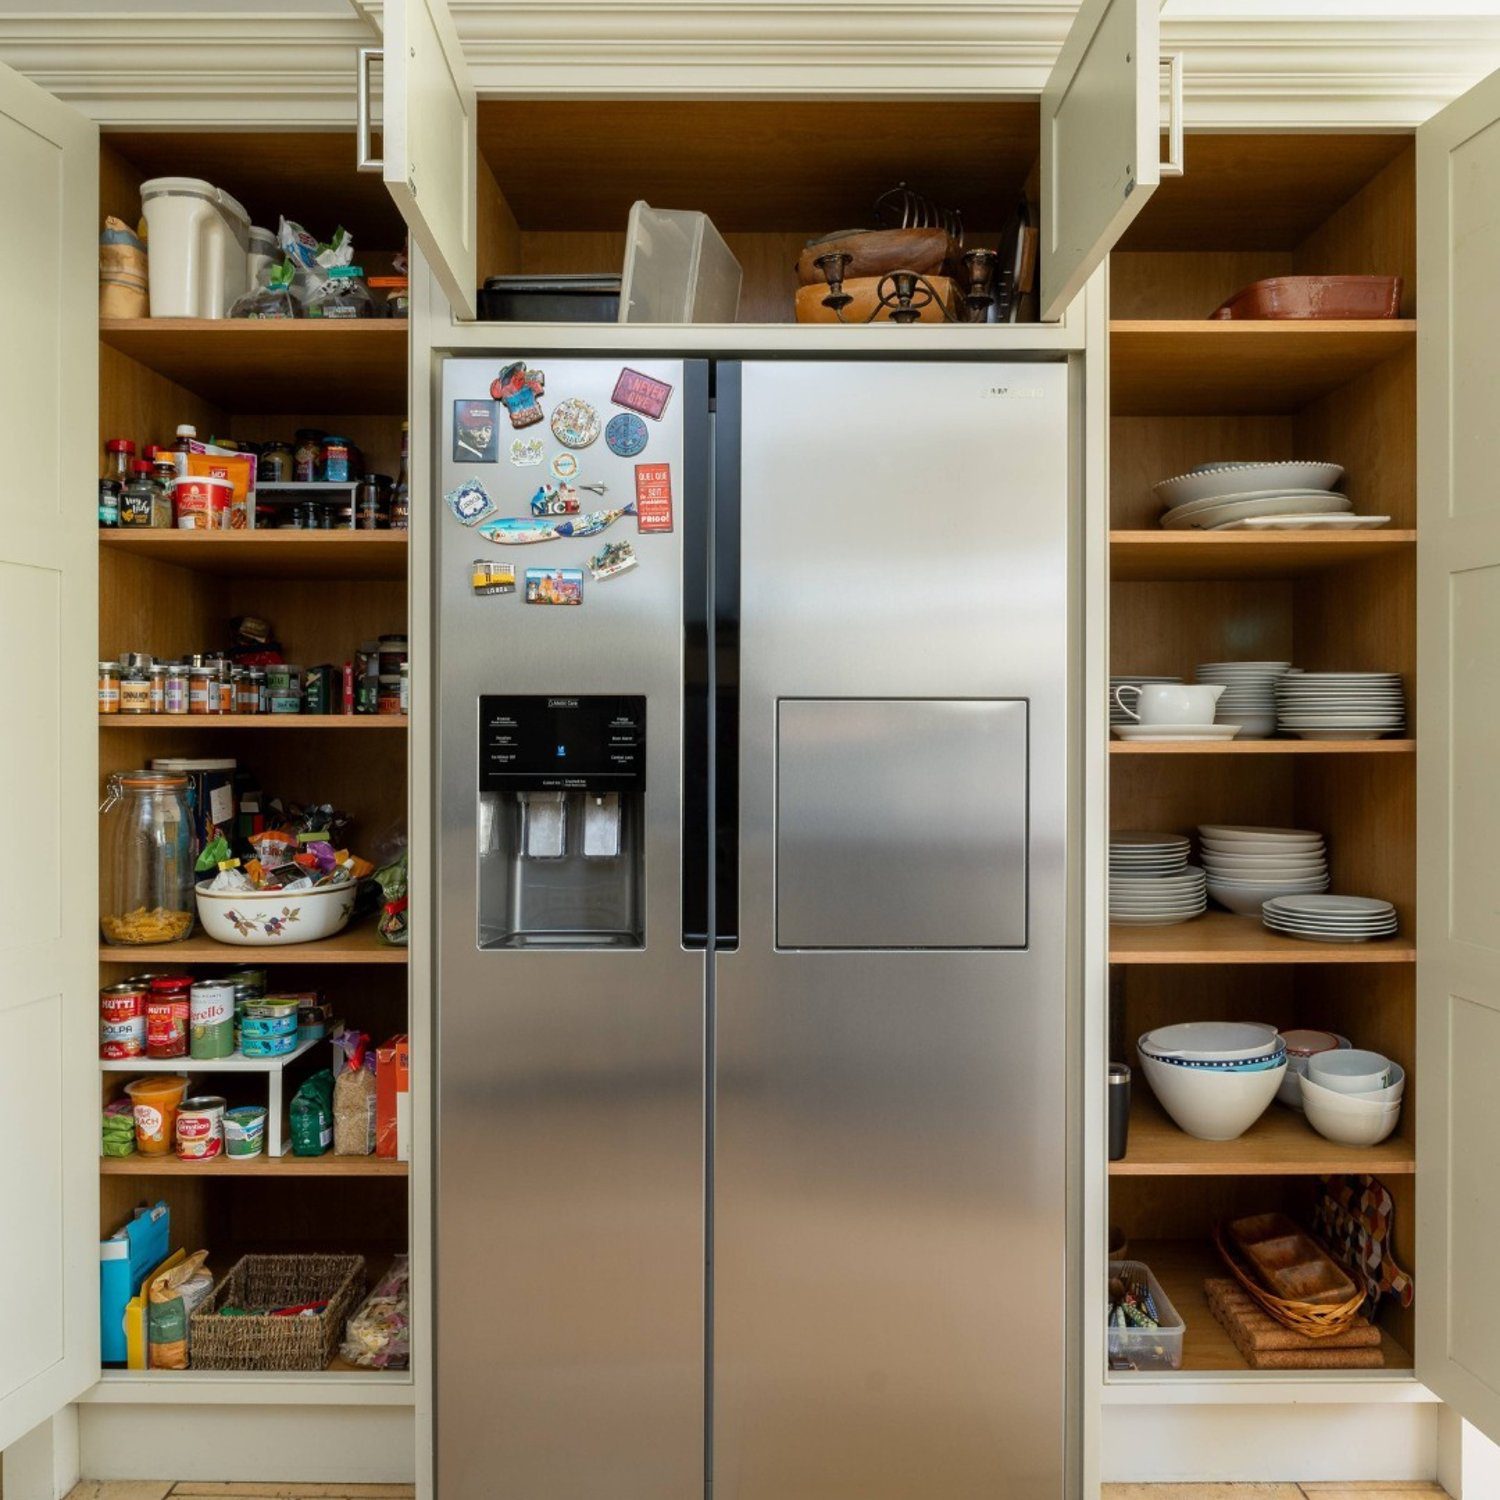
(1302, 1044)
(1249, 697)
(1214, 1078)
(1330, 919)
(1340, 705)
(1151, 884)
(1117, 715)
(1213, 496)
(1352, 1096)
(1248, 866)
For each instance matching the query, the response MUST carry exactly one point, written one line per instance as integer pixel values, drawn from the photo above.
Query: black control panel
(590, 744)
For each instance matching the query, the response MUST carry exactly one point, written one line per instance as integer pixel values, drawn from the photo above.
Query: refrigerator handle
(725, 644)
(697, 660)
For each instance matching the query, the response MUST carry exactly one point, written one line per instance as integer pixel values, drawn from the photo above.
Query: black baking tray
(550, 299)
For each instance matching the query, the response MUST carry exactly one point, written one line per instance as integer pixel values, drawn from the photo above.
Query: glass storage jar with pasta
(146, 859)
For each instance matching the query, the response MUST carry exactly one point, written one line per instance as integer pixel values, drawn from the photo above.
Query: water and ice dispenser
(561, 787)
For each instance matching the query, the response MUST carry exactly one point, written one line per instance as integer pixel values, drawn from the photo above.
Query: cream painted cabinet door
(1458, 755)
(1101, 141)
(49, 1099)
(430, 152)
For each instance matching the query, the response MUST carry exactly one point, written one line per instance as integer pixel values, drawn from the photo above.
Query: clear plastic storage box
(1148, 1348)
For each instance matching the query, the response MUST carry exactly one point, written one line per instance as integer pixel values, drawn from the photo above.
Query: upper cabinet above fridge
(544, 187)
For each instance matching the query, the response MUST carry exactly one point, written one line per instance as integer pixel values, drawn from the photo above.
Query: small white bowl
(1246, 900)
(1211, 1105)
(267, 919)
(1356, 1071)
(1349, 1120)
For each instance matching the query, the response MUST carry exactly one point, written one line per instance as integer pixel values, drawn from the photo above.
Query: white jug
(198, 240)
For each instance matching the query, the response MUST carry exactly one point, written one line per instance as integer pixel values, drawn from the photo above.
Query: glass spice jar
(145, 859)
(305, 455)
(135, 683)
(176, 697)
(277, 464)
(203, 690)
(372, 503)
(157, 681)
(109, 687)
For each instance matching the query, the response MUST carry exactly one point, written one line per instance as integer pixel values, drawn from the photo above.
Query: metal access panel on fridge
(889, 1171)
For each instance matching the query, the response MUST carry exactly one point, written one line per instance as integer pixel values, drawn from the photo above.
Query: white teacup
(1170, 703)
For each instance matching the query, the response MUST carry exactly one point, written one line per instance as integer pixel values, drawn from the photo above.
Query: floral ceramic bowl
(263, 919)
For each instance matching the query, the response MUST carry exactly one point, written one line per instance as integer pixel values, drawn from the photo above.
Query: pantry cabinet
(1131, 266)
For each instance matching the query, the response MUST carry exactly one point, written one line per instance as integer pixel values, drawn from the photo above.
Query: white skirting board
(1267, 1443)
(314, 1444)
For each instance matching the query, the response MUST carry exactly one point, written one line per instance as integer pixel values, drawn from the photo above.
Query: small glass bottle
(225, 687)
(203, 690)
(401, 494)
(305, 455)
(187, 435)
(163, 475)
(176, 697)
(135, 683)
(138, 498)
(109, 687)
(246, 693)
(157, 680)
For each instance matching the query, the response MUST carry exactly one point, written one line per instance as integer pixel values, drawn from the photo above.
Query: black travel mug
(1119, 1110)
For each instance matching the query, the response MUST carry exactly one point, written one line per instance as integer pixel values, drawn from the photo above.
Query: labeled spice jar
(225, 685)
(305, 455)
(156, 680)
(109, 687)
(175, 694)
(146, 859)
(338, 460)
(372, 507)
(135, 683)
(203, 690)
(277, 464)
(246, 694)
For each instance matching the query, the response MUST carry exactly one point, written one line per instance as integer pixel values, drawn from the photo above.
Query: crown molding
(238, 67)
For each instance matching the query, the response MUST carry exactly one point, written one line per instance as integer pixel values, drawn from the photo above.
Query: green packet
(117, 1131)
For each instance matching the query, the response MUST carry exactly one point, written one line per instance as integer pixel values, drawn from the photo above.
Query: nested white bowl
(1211, 1041)
(1243, 901)
(1349, 1119)
(1213, 1106)
(276, 919)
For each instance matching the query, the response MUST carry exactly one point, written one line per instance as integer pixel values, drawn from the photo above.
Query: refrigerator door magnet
(492, 577)
(555, 500)
(525, 453)
(612, 558)
(642, 393)
(520, 531)
(626, 435)
(575, 424)
(554, 585)
(475, 439)
(565, 466)
(470, 502)
(653, 497)
(518, 390)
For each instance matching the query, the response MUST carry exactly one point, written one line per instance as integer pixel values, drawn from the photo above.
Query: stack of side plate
(1231, 494)
(1145, 856)
(1330, 919)
(1340, 705)
(1117, 715)
(1249, 697)
(1150, 881)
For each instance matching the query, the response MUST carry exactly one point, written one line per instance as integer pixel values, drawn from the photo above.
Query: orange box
(393, 1098)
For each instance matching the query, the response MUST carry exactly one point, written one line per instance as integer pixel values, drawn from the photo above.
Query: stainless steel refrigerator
(751, 977)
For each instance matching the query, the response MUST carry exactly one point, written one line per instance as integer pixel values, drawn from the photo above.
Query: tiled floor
(190, 1489)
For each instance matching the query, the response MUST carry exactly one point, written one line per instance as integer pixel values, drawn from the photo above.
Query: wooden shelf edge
(289, 1165)
(1263, 747)
(1398, 330)
(253, 721)
(258, 328)
(339, 1385)
(1218, 937)
(355, 945)
(1353, 541)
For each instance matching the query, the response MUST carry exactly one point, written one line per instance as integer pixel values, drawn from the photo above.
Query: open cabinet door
(1458, 791)
(1101, 129)
(430, 146)
(49, 937)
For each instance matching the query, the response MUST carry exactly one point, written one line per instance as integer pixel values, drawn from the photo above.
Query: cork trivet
(1266, 1345)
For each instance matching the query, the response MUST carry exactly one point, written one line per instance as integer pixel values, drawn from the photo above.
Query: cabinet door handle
(364, 161)
(1172, 166)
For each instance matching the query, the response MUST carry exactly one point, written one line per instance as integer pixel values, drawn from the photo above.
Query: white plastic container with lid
(198, 247)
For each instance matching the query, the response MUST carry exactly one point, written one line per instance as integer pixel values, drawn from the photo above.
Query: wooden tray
(1290, 1262)
(1316, 297)
(877, 251)
(810, 307)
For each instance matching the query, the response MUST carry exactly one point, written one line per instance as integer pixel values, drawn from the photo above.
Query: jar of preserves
(176, 696)
(135, 683)
(145, 859)
(305, 455)
(277, 464)
(109, 687)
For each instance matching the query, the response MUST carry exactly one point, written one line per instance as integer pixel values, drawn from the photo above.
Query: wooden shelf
(1280, 1144)
(328, 1165)
(253, 721)
(1173, 555)
(278, 554)
(245, 365)
(1219, 937)
(1178, 368)
(1181, 1267)
(355, 945)
(1262, 747)
(237, 1063)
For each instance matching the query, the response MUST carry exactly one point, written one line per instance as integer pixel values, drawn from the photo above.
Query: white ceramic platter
(1289, 474)
(1306, 522)
(1213, 516)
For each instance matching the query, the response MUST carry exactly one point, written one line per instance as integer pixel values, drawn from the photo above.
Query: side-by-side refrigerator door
(889, 1169)
(429, 143)
(569, 1009)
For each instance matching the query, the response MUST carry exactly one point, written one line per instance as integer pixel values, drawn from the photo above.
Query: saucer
(1156, 732)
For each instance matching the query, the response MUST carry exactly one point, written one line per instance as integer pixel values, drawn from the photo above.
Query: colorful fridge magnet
(642, 393)
(555, 500)
(526, 453)
(492, 577)
(612, 558)
(475, 440)
(626, 435)
(575, 424)
(470, 502)
(565, 466)
(554, 585)
(518, 390)
(521, 531)
(653, 497)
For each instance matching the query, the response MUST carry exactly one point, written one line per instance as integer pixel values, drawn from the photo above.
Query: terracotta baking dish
(1316, 297)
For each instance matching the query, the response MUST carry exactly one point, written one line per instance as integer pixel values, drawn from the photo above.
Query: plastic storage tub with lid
(198, 248)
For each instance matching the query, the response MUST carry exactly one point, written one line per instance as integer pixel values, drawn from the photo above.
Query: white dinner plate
(1306, 522)
(1205, 481)
(1155, 732)
(1278, 492)
(1212, 516)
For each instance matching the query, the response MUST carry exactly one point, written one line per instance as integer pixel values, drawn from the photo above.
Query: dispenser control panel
(595, 743)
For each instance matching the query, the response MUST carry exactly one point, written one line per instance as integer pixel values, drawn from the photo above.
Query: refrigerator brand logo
(1023, 392)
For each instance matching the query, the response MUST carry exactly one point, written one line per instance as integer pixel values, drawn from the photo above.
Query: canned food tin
(268, 1046)
(125, 1038)
(123, 1002)
(246, 982)
(200, 1128)
(167, 1026)
(211, 1018)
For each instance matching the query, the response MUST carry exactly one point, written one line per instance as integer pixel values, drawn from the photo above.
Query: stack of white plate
(1233, 494)
(1330, 919)
(1117, 715)
(1340, 705)
(1151, 884)
(1248, 698)
(1247, 866)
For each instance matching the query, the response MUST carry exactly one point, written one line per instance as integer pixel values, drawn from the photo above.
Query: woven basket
(1318, 1320)
(263, 1342)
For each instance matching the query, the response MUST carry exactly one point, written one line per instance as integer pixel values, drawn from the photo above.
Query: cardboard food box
(393, 1098)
